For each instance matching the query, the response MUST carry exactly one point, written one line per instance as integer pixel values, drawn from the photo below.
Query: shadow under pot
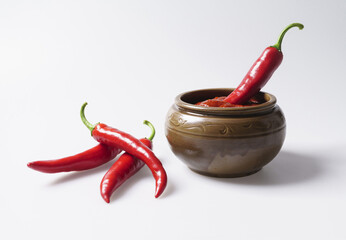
(224, 142)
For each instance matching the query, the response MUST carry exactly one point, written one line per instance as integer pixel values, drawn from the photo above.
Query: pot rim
(260, 108)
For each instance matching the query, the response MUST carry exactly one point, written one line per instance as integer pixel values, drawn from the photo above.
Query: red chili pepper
(125, 167)
(88, 159)
(116, 138)
(260, 72)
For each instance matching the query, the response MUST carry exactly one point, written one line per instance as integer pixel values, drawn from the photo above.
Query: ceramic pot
(224, 142)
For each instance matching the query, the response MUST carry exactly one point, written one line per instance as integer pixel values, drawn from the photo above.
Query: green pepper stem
(84, 120)
(152, 135)
(278, 44)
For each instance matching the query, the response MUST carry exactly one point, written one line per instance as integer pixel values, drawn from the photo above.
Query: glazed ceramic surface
(224, 142)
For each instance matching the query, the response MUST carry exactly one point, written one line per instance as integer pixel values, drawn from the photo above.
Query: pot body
(224, 142)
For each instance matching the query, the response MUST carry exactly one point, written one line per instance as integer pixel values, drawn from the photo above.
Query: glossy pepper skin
(260, 72)
(124, 168)
(124, 141)
(88, 159)
(257, 77)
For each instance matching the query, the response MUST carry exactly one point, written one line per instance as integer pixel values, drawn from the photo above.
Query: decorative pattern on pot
(251, 126)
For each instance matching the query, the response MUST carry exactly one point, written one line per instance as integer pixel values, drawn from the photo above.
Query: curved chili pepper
(125, 167)
(119, 139)
(88, 159)
(260, 72)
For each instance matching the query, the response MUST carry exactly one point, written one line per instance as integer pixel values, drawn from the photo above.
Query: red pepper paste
(219, 102)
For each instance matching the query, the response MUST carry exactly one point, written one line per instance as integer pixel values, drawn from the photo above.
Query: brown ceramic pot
(224, 142)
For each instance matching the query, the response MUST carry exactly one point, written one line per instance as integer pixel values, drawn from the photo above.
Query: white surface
(121, 57)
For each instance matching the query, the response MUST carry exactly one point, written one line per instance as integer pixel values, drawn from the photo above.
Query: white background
(129, 59)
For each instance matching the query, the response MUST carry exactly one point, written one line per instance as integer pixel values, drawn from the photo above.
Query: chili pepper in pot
(125, 167)
(260, 72)
(88, 159)
(119, 139)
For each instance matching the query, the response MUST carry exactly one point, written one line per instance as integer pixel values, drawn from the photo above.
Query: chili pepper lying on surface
(125, 167)
(260, 72)
(88, 159)
(118, 139)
